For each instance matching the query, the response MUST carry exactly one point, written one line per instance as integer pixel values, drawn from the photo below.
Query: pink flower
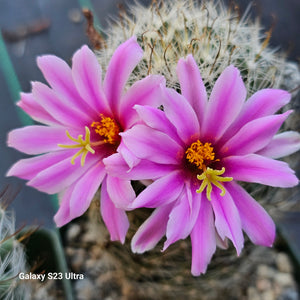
(84, 118)
(196, 151)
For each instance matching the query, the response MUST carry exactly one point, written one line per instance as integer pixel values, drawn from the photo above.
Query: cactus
(12, 255)
(215, 35)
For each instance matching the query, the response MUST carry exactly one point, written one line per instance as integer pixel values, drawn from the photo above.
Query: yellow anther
(108, 129)
(85, 146)
(209, 177)
(198, 154)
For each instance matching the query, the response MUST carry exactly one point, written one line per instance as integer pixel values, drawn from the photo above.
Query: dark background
(61, 31)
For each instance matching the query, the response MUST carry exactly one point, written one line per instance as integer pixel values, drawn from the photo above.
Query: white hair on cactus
(12, 258)
(214, 34)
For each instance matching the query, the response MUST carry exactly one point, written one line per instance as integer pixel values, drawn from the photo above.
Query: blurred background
(36, 27)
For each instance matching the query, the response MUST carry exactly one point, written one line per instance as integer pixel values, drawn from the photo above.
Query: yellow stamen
(108, 129)
(209, 177)
(85, 146)
(198, 154)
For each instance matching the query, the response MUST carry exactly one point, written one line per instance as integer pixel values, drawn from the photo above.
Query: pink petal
(120, 191)
(85, 188)
(225, 103)
(114, 218)
(191, 85)
(203, 239)
(147, 143)
(259, 169)
(254, 135)
(59, 75)
(87, 76)
(62, 112)
(152, 230)
(38, 139)
(184, 213)
(62, 217)
(122, 63)
(36, 111)
(161, 192)
(227, 219)
(263, 103)
(255, 220)
(28, 168)
(146, 91)
(156, 119)
(60, 175)
(282, 144)
(117, 167)
(127, 155)
(75, 200)
(181, 115)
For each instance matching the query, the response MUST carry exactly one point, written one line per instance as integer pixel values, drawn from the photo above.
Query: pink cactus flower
(83, 119)
(202, 149)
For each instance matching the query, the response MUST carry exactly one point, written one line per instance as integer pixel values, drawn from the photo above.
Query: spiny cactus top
(216, 35)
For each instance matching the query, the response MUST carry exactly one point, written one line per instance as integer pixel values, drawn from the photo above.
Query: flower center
(201, 155)
(108, 129)
(85, 146)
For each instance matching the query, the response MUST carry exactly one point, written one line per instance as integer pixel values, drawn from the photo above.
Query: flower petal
(282, 144)
(147, 143)
(114, 218)
(128, 156)
(60, 175)
(191, 85)
(35, 110)
(146, 91)
(259, 169)
(254, 135)
(120, 191)
(59, 75)
(156, 119)
(117, 167)
(184, 213)
(152, 230)
(28, 168)
(263, 103)
(85, 188)
(65, 113)
(227, 219)
(203, 239)
(161, 192)
(181, 115)
(87, 76)
(75, 199)
(62, 217)
(122, 63)
(225, 103)
(38, 139)
(255, 220)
